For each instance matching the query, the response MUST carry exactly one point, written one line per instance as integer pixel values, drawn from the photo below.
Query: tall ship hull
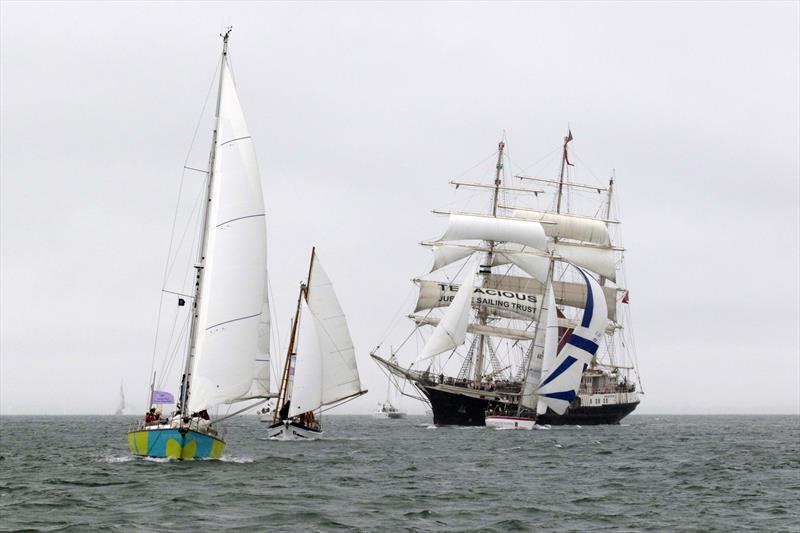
(454, 409)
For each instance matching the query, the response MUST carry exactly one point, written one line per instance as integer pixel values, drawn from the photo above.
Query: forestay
(232, 313)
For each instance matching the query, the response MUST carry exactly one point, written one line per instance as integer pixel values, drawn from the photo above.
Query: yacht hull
(290, 430)
(174, 443)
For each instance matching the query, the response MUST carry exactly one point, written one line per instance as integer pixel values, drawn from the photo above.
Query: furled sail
(230, 319)
(340, 377)
(475, 227)
(567, 226)
(452, 329)
(559, 386)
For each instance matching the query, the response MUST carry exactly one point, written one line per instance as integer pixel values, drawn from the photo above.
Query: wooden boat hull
(291, 430)
(175, 444)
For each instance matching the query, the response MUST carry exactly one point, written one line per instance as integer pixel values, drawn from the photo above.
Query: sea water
(656, 473)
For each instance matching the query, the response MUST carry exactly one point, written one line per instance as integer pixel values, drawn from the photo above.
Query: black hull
(453, 409)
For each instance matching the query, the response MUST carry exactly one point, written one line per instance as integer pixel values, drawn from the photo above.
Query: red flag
(567, 139)
(625, 298)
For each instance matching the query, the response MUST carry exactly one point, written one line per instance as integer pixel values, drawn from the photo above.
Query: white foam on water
(232, 459)
(112, 459)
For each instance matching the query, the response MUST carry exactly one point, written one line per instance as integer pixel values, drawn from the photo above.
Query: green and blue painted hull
(175, 444)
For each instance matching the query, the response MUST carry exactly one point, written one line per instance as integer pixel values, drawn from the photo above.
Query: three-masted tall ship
(513, 304)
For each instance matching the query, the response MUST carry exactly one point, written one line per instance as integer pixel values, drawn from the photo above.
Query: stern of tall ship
(169, 442)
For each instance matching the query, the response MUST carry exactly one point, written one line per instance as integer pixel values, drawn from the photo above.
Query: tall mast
(201, 254)
(564, 163)
(486, 269)
(291, 350)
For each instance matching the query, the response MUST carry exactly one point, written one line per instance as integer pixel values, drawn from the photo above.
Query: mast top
(224, 36)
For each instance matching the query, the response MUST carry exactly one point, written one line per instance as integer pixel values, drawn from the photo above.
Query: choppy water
(651, 473)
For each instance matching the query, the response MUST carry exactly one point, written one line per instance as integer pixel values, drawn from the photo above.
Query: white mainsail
(325, 370)
(308, 370)
(560, 385)
(229, 336)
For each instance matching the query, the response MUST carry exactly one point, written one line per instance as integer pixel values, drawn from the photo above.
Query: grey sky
(361, 113)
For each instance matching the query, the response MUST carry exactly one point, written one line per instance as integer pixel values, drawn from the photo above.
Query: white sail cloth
(543, 340)
(568, 226)
(600, 260)
(232, 310)
(511, 296)
(325, 369)
(473, 227)
(559, 385)
(452, 328)
(508, 302)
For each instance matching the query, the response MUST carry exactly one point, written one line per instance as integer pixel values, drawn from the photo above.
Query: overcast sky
(361, 113)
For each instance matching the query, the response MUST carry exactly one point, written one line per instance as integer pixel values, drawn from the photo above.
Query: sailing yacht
(387, 409)
(320, 368)
(226, 359)
(528, 308)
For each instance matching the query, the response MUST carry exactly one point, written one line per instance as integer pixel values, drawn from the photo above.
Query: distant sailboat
(121, 406)
(227, 353)
(320, 368)
(387, 409)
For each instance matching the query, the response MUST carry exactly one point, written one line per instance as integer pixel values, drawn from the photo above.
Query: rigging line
(195, 207)
(277, 338)
(396, 316)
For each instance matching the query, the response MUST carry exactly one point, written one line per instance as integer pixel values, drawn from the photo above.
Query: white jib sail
(473, 227)
(541, 343)
(229, 327)
(308, 369)
(560, 387)
(550, 349)
(452, 329)
(340, 377)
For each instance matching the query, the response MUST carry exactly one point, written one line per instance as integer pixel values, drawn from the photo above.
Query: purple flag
(160, 396)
